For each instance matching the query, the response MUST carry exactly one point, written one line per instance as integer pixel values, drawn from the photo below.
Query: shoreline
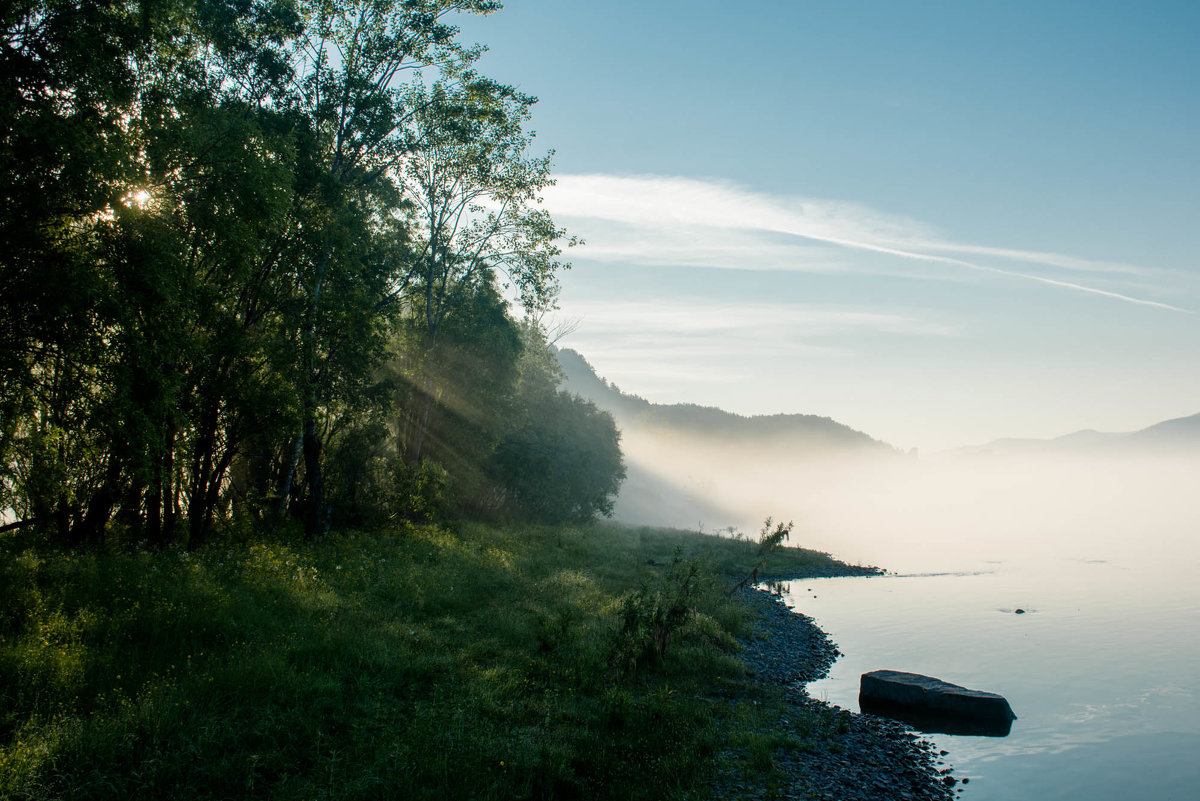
(862, 757)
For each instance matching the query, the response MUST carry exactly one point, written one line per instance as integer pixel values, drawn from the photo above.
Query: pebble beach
(863, 758)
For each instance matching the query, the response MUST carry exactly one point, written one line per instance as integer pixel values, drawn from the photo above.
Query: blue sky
(938, 222)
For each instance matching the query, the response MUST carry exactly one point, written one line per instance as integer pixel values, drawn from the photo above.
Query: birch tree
(352, 67)
(473, 190)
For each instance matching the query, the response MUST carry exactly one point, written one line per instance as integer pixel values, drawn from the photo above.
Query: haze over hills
(688, 464)
(803, 435)
(692, 465)
(1178, 436)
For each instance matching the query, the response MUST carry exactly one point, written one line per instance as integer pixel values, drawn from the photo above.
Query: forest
(275, 266)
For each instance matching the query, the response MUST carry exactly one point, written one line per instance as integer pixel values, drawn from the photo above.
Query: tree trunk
(202, 466)
(315, 511)
(427, 392)
(212, 493)
(170, 492)
(314, 477)
(422, 425)
(99, 510)
(285, 486)
(154, 507)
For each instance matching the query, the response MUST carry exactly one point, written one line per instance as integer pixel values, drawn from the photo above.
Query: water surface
(1102, 669)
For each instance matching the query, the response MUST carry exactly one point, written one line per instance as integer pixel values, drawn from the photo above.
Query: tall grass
(425, 662)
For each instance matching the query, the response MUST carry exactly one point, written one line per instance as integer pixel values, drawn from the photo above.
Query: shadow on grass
(418, 663)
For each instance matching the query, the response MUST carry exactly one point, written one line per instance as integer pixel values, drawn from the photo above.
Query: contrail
(908, 254)
(633, 200)
(983, 267)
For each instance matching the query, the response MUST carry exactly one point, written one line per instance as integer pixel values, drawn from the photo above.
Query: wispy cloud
(687, 317)
(666, 220)
(704, 246)
(661, 344)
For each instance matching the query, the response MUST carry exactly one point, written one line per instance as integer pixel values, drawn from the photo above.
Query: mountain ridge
(1180, 434)
(806, 431)
(688, 464)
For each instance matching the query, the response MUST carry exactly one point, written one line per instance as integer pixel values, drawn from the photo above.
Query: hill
(803, 433)
(690, 465)
(1180, 433)
(1180, 436)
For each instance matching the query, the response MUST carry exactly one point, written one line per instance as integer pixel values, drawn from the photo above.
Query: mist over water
(928, 514)
(1101, 552)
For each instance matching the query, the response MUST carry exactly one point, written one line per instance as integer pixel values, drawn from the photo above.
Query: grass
(421, 663)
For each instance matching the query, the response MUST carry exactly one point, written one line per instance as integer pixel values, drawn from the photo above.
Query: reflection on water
(1101, 669)
(936, 724)
(1158, 766)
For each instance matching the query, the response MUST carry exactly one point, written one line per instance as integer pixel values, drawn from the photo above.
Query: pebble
(865, 758)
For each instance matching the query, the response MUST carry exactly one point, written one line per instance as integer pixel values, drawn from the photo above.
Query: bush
(420, 492)
(650, 616)
(563, 464)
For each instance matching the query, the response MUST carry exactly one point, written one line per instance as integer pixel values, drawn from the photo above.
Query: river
(1102, 667)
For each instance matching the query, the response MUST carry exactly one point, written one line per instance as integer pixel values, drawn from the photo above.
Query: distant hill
(1180, 432)
(803, 434)
(692, 465)
(1179, 436)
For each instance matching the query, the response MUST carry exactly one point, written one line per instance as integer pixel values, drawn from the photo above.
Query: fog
(952, 512)
(1095, 537)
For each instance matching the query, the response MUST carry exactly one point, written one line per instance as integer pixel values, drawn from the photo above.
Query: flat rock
(940, 705)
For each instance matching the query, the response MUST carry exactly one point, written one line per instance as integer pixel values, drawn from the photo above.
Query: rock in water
(934, 705)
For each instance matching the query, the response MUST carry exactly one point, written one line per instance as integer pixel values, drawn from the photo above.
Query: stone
(933, 705)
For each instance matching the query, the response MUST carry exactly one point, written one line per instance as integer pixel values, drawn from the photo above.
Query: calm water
(1103, 671)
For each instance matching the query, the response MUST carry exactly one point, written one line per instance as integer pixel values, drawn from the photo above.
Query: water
(1103, 669)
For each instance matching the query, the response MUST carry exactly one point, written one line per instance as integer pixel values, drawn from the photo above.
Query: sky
(940, 223)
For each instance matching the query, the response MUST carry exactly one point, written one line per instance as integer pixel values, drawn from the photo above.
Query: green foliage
(769, 542)
(417, 663)
(560, 459)
(362, 474)
(164, 186)
(481, 401)
(651, 616)
(563, 464)
(475, 189)
(420, 493)
(456, 393)
(215, 215)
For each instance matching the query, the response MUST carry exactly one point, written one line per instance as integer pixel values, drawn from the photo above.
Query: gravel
(856, 757)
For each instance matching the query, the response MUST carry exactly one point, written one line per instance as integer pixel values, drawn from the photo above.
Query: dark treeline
(254, 257)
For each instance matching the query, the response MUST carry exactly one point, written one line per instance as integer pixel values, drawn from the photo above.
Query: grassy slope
(420, 663)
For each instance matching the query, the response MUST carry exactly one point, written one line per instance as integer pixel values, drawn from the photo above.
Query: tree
(62, 166)
(471, 384)
(474, 198)
(348, 68)
(561, 459)
(139, 158)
